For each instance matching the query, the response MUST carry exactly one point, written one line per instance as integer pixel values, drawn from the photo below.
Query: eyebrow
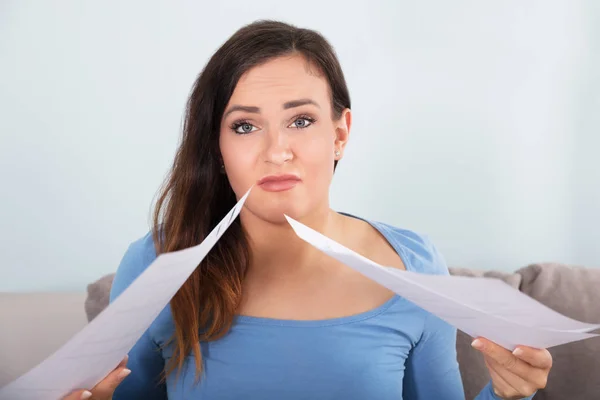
(286, 106)
(298, 103)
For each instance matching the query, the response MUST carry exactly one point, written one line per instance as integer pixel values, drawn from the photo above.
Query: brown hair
(196, 195)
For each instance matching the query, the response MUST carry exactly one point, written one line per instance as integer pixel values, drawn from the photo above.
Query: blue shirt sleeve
(145, 360)
(432, 370)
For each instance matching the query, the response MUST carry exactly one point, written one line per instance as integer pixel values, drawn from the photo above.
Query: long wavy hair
(196, 194)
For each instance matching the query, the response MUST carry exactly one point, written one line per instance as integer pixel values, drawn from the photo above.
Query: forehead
(280, 80)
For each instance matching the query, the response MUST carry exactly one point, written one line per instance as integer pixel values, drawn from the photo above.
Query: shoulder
(422, 256)
(138, 256)
(416, 249)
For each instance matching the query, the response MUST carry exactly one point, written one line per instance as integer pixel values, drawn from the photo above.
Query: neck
(276, 248)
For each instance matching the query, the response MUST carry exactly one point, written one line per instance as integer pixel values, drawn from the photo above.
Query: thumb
(78, 395)
(105, 389)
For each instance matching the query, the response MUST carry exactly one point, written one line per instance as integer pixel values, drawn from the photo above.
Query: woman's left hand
(518, 374)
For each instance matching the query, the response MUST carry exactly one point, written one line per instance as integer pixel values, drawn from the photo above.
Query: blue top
(394, 351)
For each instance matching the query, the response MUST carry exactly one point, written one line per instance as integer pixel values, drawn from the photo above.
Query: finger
(78, 395)
(535, 376)
(123, 362)
(539, 358)
(501, 387)
(501, 355)
(108, 385)
(520, 385)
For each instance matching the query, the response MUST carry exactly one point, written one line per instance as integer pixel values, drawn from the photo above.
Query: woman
(265, 315)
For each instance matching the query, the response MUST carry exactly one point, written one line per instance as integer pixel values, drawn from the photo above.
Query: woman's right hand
(105, 388)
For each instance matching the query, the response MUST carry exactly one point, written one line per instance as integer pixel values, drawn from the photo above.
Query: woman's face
(278, 134)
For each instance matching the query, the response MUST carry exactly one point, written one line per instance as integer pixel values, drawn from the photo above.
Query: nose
(277, 148)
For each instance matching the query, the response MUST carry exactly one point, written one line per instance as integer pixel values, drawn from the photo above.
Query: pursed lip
(278, 178)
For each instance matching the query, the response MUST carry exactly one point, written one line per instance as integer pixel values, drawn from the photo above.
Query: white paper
(483, 307)
(99, 347)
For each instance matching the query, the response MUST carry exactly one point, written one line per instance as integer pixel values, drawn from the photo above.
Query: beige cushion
(35, 325)
(574, 292)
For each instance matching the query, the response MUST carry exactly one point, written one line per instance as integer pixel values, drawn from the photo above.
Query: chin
(274, 210)
(277, 215)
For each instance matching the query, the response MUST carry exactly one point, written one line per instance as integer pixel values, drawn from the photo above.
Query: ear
(342, 130)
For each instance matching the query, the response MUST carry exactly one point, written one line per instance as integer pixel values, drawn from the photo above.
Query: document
(99, 347)
(484, 307)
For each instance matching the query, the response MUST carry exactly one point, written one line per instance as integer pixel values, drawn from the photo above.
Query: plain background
(476, 123)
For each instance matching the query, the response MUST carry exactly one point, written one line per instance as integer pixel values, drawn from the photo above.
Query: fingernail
(123, 374)
(518, 352)
(477, 344)
(86, 395)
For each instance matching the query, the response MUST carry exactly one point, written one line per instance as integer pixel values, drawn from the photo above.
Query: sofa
(36, 324)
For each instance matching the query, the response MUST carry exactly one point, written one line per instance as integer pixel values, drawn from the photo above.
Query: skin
(288, 278)
(311, 285)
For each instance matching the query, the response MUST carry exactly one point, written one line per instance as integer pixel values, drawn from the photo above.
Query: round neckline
(385, 232)
(315, 323)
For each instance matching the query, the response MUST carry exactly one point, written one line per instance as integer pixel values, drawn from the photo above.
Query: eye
(243, 127)
(302, 122)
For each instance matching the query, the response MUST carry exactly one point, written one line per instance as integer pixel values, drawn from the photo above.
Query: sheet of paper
(98, 348)
(478, 306)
